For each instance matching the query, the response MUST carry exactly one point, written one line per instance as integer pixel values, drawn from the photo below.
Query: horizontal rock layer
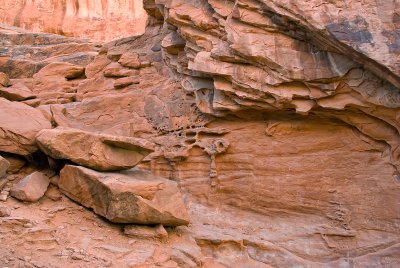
(101, 20)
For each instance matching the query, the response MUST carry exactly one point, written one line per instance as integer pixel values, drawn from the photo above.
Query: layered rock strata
(280, 128)
(100, 20)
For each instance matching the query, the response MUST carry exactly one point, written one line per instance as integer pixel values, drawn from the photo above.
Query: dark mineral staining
(393, 40)
(354, 32)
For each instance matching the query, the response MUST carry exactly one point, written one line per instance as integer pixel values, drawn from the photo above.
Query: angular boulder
(4, 165)
(131, 196)
(19, 124)
(16, 92)
(31, 188)
(96, 151)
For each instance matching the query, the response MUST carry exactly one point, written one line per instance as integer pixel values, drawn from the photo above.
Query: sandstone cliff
(278, 120)
(100, 20)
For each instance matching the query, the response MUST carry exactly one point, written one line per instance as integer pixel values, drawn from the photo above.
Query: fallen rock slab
(31, 188)
(4, 165)
(131, 196)
(96, 151)
(16, 92)
(19, 124)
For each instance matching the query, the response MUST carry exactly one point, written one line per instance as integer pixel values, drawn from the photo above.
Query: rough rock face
(280, 128)
(101, 20)
(127, 197)
(19, 124)
(97, 151)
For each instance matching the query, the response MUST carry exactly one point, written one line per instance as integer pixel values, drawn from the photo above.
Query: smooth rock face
(100, 20)
(97, 151)
(132, 196)
(31, 188)
(4, 165)
(19, 124)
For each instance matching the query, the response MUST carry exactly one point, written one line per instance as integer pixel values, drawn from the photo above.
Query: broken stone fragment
(146, 232)
(4, 165)
(131, 196)
(31, 188)
(130, 59)
(19, 124)
(16, 92)
(96, 151)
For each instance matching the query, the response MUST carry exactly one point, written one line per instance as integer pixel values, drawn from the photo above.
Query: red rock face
(278, 120)
(100, 20)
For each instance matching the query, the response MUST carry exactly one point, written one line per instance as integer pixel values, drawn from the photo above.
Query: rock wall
(279, 122)
(99, 20)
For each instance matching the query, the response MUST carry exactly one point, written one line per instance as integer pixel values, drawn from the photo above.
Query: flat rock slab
(96, 151)
(16, 92)
(31, 188)
(131, 196)
(19, 124)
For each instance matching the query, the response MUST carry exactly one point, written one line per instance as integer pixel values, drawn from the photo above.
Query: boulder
(131, 196)
(96, 151)
(31, 188)
(16, 92)
(19, 124)
(4, 165)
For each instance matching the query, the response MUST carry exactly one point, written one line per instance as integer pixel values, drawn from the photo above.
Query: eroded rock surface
(100, 20)
(132, 196)
(280, 128)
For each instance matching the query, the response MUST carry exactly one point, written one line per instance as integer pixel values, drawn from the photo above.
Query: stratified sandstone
(131, 196)
(19, 124)
(97, 151)
(101, 20)
(280, 128)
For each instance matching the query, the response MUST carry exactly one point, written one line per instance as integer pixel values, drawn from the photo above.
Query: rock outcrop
(277, 120)
(132, 196)
(100, 20)
(96, 151)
